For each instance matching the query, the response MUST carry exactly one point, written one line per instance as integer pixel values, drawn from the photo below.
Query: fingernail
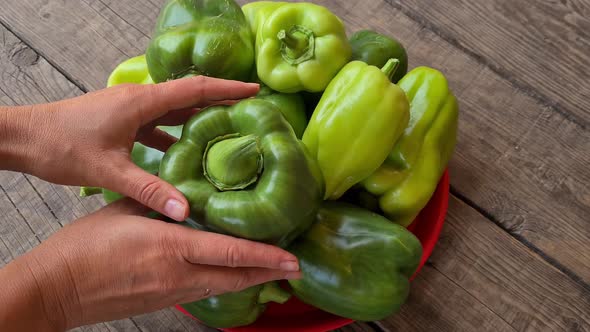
(293, 275)
(289, 266)
(174, 209)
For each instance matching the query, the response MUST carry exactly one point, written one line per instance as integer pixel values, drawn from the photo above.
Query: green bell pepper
(355, 263)
(134, 70)
(291, 106)
(244, 172)
(376, 49)
(409, 176)
(355, 125)
(299, 46)
(237, 308)
(201, 37)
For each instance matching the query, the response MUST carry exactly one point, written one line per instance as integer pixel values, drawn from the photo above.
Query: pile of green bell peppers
(334, 157)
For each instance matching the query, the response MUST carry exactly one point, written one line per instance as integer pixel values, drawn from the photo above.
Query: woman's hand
(114, 264)
(86, 141)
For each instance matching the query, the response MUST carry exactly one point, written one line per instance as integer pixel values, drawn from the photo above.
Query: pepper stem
(297, 44)
(233, 162)
(390, 67)
(272, 292)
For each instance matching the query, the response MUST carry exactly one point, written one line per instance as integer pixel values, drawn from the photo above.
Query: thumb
(150, 191)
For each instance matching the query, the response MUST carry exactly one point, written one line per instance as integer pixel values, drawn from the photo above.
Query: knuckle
(240, 283)
(233, 256)
(200, 85)
(147, 190)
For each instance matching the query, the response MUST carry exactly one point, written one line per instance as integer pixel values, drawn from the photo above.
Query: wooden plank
(437, 303)
(542, 47)
(27, 78)
(498, 271)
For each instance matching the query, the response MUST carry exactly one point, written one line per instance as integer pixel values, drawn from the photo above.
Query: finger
(200, 247)
(130, 180)
(158, 99)
(222, 280)
(227, 102)
(158, 139)
(125, 206)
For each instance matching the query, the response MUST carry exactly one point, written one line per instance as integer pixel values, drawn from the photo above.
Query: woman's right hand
(115, 263)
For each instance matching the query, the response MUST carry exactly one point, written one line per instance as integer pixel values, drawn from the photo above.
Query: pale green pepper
(408, 177)
(356, 124)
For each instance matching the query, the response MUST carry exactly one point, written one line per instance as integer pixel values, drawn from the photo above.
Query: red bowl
(296, 316)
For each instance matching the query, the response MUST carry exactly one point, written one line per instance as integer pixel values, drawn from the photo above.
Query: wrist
(26, 305)
(17, 140)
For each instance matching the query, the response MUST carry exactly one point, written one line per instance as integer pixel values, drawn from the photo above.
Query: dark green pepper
(201, 37)
(355, 263)
(291, 106)
(245, 173)
(376, 49)
(237, 308)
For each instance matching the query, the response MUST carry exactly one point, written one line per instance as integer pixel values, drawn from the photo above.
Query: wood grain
(542, 47)
(514, 283)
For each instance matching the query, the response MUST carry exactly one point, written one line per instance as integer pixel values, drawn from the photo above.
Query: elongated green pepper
(245, 173)
(299, 46)
(201, 37)
(236, 308)
(355, 125)
(355, 263)
(408, 177)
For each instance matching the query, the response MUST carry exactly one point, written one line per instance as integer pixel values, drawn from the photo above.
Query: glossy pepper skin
(201, 37)
(291, 105)
(299, 46)
(409, 176)
(376, 49)
(245, 173)
(355, 263)
(134, 70)
(355, 125)
(237, 308)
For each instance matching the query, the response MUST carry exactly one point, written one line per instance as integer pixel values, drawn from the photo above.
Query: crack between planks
(544, 256)
(473, 297)
(9, 97)
(107, 19)
(20, 213)
(9, 251)
(135, 324)
(69, 77)
(123, 19)
(43, 200)
(523, 87)
(375, 326)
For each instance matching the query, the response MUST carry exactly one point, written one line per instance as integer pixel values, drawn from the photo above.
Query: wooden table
(515, 250)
